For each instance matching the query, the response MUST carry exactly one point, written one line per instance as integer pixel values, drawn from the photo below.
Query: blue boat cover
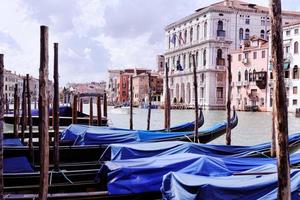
(64, 111)
(130, 151)
(251, 187)
(146, 174)
(16, 165)
(12, 142)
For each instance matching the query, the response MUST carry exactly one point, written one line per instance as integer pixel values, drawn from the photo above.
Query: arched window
(185, 36)
(204, 57)
(191, 35)
(254, 75)
(205, 29)
(295, 72)
(250, 76)
(296, 47)
(239, 76)
(196, 59)
(247, 34)
(198, 31)
(246, 75)
(220, 25)
(169, 42)
(241, 34)
(190, 60)
(262, 33)
(184, 60)
(180, 38)
(219, 53)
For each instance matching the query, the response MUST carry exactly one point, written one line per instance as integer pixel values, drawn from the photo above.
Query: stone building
(249, 75)
(210, 33)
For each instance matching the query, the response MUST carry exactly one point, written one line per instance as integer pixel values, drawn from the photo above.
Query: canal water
(253, 127)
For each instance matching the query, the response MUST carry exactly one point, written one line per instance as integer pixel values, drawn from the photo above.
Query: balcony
(245, 61)
(261, 80)
(221, 33)
(220, 61)
(239, 83)
(246, 83)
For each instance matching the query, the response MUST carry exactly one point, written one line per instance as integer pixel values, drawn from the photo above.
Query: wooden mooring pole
(1, 122)
(29, 112)
(23, 123)
(228, 105)
(55, 109)
(81, 105)
(74, 110)
(131, 105)
(99, 114)
(91, 112)
(43, 114)
(105, 105)
(279, 106)
(167, 101)
(196, 100)
(150, 101)
(6, 104)
(16, 112)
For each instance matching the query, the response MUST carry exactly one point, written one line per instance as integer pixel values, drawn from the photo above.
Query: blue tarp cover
(16, 165)
(251, 187)
(146, 174)
(130, 151)
(12, 142)
(64, 111)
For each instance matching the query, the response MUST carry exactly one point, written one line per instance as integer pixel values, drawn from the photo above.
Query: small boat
(65, 117)
(123, 110)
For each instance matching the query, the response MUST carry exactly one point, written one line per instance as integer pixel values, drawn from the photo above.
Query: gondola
(65, 117)
(115, 178)
(88, 148)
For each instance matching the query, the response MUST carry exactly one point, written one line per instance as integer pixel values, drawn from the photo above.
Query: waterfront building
(249, 75)
(210, 34)
(291, 40)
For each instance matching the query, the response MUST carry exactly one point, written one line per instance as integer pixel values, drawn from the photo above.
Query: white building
(210, 33)
(291, 40)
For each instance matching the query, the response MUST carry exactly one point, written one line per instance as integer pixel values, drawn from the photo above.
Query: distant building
(249, 75)
(160, 61)
(210, 33)
(291, 40)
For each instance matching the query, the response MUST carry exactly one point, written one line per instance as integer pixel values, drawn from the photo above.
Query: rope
(188, 138)
(60, 171)
(100, 159)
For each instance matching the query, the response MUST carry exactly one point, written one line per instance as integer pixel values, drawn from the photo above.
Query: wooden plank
(99, 114)
(228, 105)
(105, 105)
(1, 122)
(44, 114)
(74, 110)
(16, 112)
(131, 105)
(55, 110)
(23, 122)
(196, 99)
(279, 99)
(29, 112)
(167, 100)
(150, 101)
(91, 112)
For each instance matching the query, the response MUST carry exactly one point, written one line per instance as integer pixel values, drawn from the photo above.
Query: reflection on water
(253, 128)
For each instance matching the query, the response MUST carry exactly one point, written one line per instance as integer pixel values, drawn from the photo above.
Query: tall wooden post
(6, 103)
(1, 122)
(81, 105)
(105, 105)
(196, 100)
(23, 123)
(55, 109)
(99, 114)
(16, 112)
(167, 101)
(228, 105)
(91, 112)
(150, 101)
(44, 114)
(131, 105)
(279, 106)
(29, 111)
(74, 110)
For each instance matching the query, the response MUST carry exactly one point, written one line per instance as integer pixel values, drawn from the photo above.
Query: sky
(93, 35)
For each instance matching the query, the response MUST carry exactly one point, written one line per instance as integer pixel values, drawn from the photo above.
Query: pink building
(249, 75)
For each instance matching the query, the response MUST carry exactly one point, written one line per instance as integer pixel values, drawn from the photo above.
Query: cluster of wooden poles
(280, 123)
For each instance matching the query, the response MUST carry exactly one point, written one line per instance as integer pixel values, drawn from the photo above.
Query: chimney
(228, 3)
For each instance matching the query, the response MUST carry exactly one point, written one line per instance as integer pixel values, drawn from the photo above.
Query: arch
(296, 47)
(184, 61)
(220, 25)
(254, 75)
(250, 76)
(219, 53)
(246, 75)
(198, 31)
(262, 33)
(205, 30)
(182, 93)
(239, 76)
(188, 93)
(204, 57)
(247, 34)
(180, 38)
(241, 33)
(295, 72)
(185, 36)
(196, 58)
(177, 91)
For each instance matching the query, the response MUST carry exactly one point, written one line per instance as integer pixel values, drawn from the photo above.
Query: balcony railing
(221, 61)
(221, 33)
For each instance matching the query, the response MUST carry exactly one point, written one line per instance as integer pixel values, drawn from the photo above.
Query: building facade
(291, 40)
(210, 34)
(249, 75)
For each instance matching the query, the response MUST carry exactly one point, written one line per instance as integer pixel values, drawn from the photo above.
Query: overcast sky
(93, 35)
